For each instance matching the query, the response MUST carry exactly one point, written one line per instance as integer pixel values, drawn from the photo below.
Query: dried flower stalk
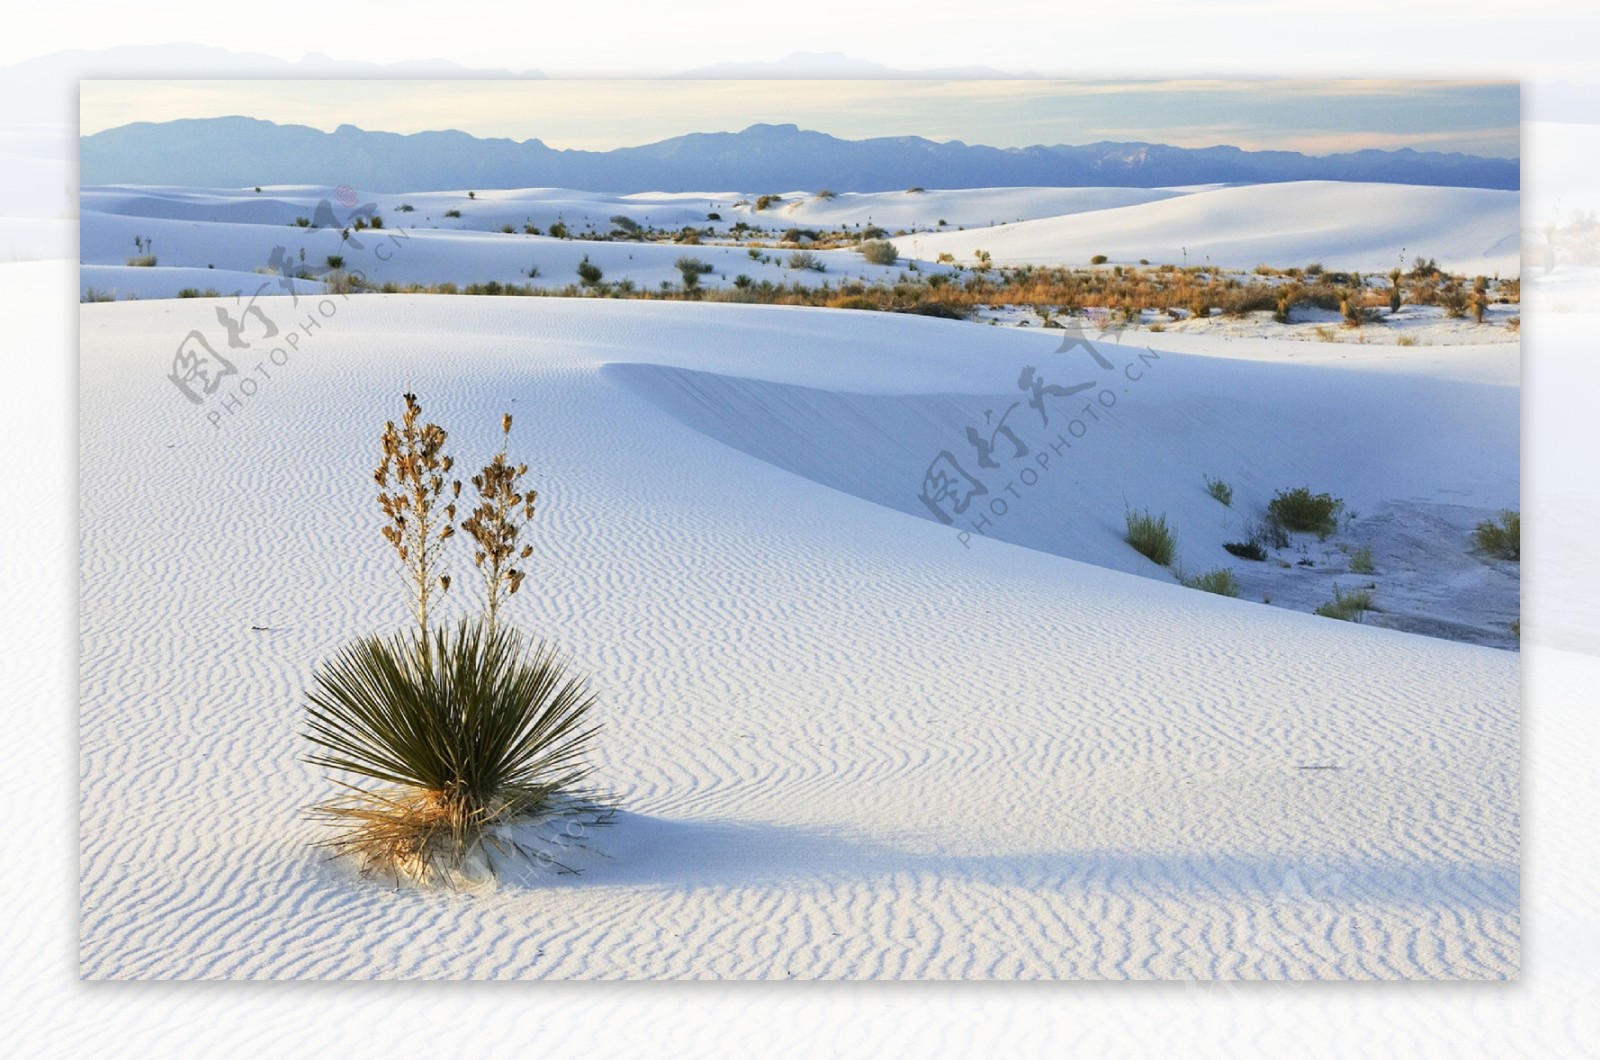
(414, 461)
(504, 508)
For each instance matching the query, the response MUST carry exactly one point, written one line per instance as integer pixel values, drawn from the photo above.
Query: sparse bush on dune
(765, 201)
(691, 269)
(1347, 607)
(1220, 581)
(452, 213)
(879, 252)
(1302, 511)
(1220, 491)
(589, 274)
(1361, 560)
(1151, 537)
(1501, 536)
(92, 294)
(143, 261)
(804, 259)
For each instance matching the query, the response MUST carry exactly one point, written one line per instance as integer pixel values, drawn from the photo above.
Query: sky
(1314, 117)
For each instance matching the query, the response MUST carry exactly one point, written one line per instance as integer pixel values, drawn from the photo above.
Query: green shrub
(452, 213)
(559, 230)
(691, 269)
(1501, 537)
(404, 207)
(335, 261)
(1151, 537)
(302, 222)
(91, 294)
(1220, 581)
(804, 259)
(589, 274)
(507, 229)
(376, 222)
(765, 201)
(1251, 549)
(1361, 560)
(1098, 259)
(1347, 607)
(1220, 491)
(879, 252)
(195, 292)
(143, 261)
(1302, 511)
(464, 730)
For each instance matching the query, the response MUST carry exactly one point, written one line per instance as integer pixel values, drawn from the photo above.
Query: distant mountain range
(243, 152)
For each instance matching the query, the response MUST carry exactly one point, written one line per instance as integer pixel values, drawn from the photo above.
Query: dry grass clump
(1151, 537)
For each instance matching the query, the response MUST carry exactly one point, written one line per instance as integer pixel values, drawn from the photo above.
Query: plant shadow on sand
(639, 850)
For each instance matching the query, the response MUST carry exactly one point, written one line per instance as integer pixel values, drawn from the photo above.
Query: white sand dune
(846, 745)
(1344, 226)
(1341, 225)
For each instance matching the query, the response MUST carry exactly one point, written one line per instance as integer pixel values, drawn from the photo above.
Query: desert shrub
(1243, 301)
(376, 222)
(341, 282)
(691, 269)
(1220, 491)
(92, 294)
(1347, 607)
(1302, 511)
(195, 292)
(472, 195)
(507, 229)
(1220, 581)
(764, 201)
(916, 190)
(1098, 259)
(589, 274)
(404, 207)
(1350, 308)
(559, 230)
(1501, 536)
(1406, 340)
(302, 222)
(335, 261)
(879, 252)
(804, 259)
(742, 281)
(464, 730)
(452, 213)
(627, 225)
(1251, 549)
(873, 232)
(258, 189)
(1361, 560)
(1151, 537)
(143, 261)
(827, 193)
(1454, 299)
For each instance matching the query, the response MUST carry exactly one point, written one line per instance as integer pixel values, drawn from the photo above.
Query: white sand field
(846, 743)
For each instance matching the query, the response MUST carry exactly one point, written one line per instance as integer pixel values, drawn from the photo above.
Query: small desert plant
(1220, 491)
(143, 261)
(1302, 511)
(452, 213)
(1502, 536)
(1151, 537)
(1098, 259)
(879, 252)
(1347, 607)
(627, 225)
(92, 294)
(196, 292)
(827, 193)
(302, 222)
(335, 261)
(1251, 549)
(559, 230)
(1220, 581)
(414, 467)
(464, 730)
(765, 201)
(341, 282)
(1361, 560)
(589, 274)
(472, 195)
(804, 259)
(691, 269)
(508, 229)
(1394, 290)
(405, 207)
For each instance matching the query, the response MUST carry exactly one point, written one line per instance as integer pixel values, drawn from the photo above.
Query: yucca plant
(463, 729)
